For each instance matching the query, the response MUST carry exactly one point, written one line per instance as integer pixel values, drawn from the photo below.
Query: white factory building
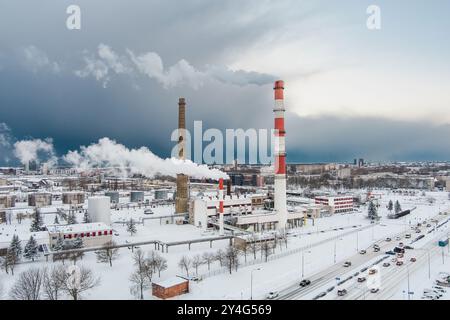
(336, 204)
(93, 234)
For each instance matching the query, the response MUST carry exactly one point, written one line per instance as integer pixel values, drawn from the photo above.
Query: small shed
(171, 287)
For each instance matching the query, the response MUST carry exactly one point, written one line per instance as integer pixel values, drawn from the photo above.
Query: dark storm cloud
(41, 96)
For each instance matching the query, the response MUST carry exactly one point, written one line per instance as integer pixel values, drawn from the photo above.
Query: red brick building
(170, 288)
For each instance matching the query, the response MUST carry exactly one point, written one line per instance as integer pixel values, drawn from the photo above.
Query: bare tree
(220, 256)
(86, 281)
(139, 282)
(253, 245)
(197, 261)
(160, 264)
(185, 264)
(208, 258)
(53, 281)
(108, 253)
(28, 285)
(266, 249)
(232, 258)
(139, 259)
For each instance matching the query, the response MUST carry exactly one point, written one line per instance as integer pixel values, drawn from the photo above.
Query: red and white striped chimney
(221, 228)
(280, 155)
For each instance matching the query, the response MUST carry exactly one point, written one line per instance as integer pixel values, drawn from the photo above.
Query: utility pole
(409, 298)
(251, 283)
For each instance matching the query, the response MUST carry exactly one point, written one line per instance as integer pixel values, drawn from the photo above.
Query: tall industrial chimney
(280, 156)
(181, 200)
(221, 229)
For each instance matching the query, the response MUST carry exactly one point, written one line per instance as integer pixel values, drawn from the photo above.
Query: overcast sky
(350, 91)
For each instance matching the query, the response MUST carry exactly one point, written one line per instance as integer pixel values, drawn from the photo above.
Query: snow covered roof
(170, 282)
(80, 227)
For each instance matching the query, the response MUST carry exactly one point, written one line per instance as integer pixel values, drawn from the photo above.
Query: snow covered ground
(338, 237)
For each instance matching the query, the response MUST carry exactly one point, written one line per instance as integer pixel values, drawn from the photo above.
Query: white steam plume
(28, 150)
(109, 153)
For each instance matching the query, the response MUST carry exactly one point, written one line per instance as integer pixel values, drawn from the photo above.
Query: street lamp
(251, 282)
(335, 242)
(303, 262)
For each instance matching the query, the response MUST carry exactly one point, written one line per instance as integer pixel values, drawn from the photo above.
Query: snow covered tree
(71, 219)
(185, 264)
(28, 285)
(77, 243)
(108, 253)
(56, 221)
(86, 218)
(197, 261)
(53, 282)
(31, 249)
(372, 211)
(220, 256)
(37, 222)
(232, 258)
(16, 246)
(397, 207)
(390, 206)
(131, 227)
(86, 281)
(59, 245)
(208, 258)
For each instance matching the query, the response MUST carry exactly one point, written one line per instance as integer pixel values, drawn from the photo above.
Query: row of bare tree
(52, 284)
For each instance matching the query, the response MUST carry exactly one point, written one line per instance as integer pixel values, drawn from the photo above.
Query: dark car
(361, 279)
(323, 294)
(342, 292)
(305, 283)
(392, 253)
(409, 247)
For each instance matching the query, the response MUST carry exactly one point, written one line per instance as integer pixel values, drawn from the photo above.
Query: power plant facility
(99, 209)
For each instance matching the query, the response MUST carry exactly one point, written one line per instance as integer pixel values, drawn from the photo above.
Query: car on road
(362, 252)
(374, 290)
(148, 211)
(388, 239)
(364, 269)
(399, 263)
(398, 238)
(392, 253)
(342, 292)
(408, 236)
(273, 295)
(439, 289)
(386, 264)
(413, 259)
(399, 255)
(347, 264)
(418, 231)
(400, 244)
(428, 225)
(330, 289)
(320, 295)
(305, 283)
(372, 271)
(361, 279)
(409, 247)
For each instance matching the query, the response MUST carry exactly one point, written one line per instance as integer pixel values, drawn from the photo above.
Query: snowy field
(331, 239)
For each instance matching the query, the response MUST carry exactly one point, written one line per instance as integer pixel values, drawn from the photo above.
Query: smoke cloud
(108, 153)
(29, 150)
(107, 62)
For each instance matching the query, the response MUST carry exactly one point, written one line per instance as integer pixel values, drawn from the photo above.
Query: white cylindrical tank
(99, 209)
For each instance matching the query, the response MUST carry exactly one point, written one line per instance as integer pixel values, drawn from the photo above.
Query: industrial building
(137, 196)
(161, 194)
(40, 199)
(114, 196)
(93, 234)
(170, 288)
(338, 204)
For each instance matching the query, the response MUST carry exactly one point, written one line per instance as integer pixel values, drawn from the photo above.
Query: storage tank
(99, 209)
(137, 196)
(161, 194)
(114, 196)
(73, 197)
(39, 199)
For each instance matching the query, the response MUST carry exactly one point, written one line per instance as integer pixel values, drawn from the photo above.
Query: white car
(273, 295)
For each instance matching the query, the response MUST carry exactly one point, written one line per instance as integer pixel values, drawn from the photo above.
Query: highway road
(324, 280)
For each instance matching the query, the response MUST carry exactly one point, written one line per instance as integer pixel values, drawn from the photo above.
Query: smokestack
(221, 229)
(181, 200)
(280, 155)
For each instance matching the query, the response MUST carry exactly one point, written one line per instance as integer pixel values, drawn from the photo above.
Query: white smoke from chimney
(108, 153)
(29, 150)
